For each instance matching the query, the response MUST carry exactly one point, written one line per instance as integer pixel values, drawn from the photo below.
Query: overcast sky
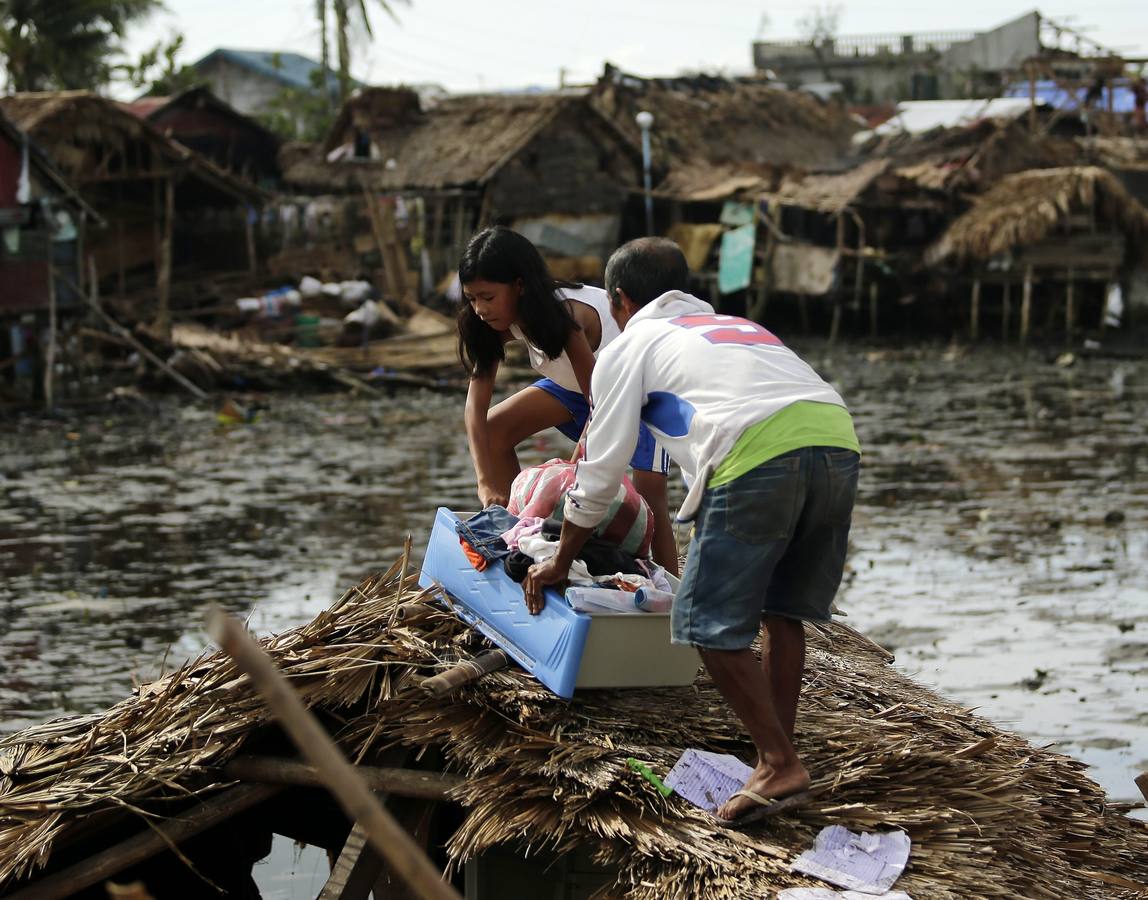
(468, 45)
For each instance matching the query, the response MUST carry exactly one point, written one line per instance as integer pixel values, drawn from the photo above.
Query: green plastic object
(648, 773)
(307, 331)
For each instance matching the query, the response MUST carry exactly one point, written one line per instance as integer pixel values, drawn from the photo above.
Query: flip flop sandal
(765, 808)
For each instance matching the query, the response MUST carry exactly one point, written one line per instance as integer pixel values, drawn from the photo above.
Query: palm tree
(63, 44)
(345, 11)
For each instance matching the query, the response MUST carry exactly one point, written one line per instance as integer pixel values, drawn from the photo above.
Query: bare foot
(768, 783)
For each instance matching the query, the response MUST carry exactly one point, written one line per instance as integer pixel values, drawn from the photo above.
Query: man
(771, 460)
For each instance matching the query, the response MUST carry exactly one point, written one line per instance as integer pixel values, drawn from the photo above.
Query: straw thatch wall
(1023, 209)
(989, 815)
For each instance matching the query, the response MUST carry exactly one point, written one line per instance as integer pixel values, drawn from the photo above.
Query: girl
(509, 294)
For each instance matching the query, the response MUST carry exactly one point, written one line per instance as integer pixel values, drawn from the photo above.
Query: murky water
(999, 542)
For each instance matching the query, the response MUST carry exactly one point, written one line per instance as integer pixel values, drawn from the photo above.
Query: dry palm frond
(989, 815)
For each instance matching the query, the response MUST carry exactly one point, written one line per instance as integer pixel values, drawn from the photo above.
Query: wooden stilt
(1006, 310)
(355, 871)
(50, 356)
(803, 310)
(147, 844)
(975, 311)
(163, 279)
(1069, 307)
(405, 857)
(249, 231)
(1026, 306)
(835, 322)
(1104, 309)
(873, 309)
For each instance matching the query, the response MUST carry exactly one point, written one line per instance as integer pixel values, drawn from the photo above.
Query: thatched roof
(461, 142)
(1024, 208)
(44, 169)
(707, 129)
(830, 193)
(989, 814)
(69, 124)
(970, 158)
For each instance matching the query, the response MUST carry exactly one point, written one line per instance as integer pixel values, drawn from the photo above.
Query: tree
(344, 12)
(819, 26)
(156, 72)
(65, 44)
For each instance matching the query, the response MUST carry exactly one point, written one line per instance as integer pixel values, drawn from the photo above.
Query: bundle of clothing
(614, 559)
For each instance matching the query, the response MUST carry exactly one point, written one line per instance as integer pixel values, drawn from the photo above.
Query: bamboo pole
(404, 856)
(975, 311)
(147, 844)
(399, 782)
(1026, 306)
(465, 672)
(119, 329)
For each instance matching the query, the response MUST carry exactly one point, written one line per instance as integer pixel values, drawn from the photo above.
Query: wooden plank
(148, 843)
(399, 782)
(405, 857)
(355, 871)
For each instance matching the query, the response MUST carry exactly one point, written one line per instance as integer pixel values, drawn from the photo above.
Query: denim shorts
(770, 543)
(648, 455)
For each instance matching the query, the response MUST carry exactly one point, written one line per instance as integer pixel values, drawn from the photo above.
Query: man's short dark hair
(645, 269)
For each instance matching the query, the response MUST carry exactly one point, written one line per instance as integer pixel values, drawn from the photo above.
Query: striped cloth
(541, 491)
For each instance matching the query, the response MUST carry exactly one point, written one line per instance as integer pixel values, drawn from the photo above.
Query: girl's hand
(489, 496)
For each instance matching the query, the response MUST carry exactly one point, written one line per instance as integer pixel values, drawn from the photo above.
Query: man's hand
(540, 577)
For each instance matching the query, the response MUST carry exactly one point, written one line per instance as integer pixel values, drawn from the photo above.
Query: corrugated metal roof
(919, 116)
(290, 69)
(1052, 94)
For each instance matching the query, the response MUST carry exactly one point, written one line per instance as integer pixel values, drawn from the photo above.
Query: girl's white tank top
(559, 370)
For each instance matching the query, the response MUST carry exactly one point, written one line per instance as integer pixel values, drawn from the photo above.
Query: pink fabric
(529, 525)
(540, 492)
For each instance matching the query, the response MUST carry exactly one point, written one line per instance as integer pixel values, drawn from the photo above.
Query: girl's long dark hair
(501, 255)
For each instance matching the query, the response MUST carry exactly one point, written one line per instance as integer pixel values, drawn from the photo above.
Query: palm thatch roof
(1023, 209)
(88, 138)
(47, 172)
(708, 129)
(989, 815)
(461, 142)
(830, 193)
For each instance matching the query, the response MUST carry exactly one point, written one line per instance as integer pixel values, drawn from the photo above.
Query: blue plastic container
(562, 648)
(549, 646)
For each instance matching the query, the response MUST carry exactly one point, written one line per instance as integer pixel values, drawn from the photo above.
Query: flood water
(999, 542)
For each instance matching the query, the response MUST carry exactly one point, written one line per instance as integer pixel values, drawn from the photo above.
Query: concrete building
(886, 68)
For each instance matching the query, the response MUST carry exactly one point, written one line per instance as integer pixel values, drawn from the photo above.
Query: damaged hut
(176, 220)
(202, 122)
(713, 140)
(548, 164)
(44, 223)
(1061, 241)
(518, 794)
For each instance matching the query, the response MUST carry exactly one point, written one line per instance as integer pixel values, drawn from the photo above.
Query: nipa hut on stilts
(503, 771)
(1057, 239)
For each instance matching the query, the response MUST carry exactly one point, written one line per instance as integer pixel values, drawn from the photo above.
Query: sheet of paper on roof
(868, 862)
(707, 779)
(919, 116)
(830, 894)
(803, 269)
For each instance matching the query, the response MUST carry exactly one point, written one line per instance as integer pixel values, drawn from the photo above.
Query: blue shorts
(648, 456)
(770, 543)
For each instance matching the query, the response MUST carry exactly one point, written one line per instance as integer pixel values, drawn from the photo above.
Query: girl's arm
(478, 396)
(581, 343)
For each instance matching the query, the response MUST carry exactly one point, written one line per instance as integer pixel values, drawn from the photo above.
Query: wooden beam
(249, 231)
(465, 672)
(355, 871)
(404, 856)
(399, 782)
(147, 844)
